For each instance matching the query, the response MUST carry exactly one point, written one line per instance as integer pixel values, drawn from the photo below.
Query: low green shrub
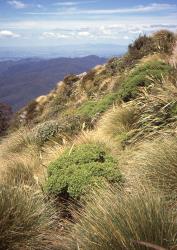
(79, 169)
(24, 218)
(91, 108)
(142, 76)
(136, 221)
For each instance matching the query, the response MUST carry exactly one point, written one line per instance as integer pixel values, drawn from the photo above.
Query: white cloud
(54, 35)
(138, 9)
(72, 3)
(67, 3)
(126, 37)
(17, 4)
(8, 34)
(84, 33)
(155, 7)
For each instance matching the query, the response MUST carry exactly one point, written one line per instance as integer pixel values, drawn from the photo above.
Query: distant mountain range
(79, 50)
(23, 80)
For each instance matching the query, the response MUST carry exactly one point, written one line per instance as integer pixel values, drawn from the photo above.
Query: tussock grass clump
(164, 41)
(118, 122)
(142, 76)
(16, 142)
(80, 168)
(160, 165)
(18, 173)
(112, 220)
(24, 218)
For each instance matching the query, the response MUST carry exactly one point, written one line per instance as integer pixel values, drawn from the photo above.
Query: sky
(57, 22)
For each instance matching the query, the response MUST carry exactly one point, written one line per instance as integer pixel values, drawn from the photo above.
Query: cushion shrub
(81, 168)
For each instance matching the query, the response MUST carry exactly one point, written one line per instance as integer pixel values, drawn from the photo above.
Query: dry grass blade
(146, 244)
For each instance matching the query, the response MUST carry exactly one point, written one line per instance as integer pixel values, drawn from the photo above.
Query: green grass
(91, 108)
(79, 169)
(140, 77)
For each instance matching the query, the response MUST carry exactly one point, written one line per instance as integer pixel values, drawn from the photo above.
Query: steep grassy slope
(100, 151)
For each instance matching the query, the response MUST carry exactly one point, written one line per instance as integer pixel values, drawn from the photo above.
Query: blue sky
(57, 22)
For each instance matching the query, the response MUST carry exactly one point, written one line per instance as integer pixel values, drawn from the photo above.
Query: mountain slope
(21, 81)
(95, 160)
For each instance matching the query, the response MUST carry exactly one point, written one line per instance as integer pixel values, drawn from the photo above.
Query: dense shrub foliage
(79, 169)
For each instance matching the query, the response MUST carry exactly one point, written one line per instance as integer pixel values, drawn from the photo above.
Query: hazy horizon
(82, 50)
(49, 23)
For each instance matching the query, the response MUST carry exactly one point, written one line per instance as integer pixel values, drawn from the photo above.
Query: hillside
(25, 79)
(92, 165)
(5, 117)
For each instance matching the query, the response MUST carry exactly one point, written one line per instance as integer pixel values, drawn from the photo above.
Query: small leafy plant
(45, 131)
